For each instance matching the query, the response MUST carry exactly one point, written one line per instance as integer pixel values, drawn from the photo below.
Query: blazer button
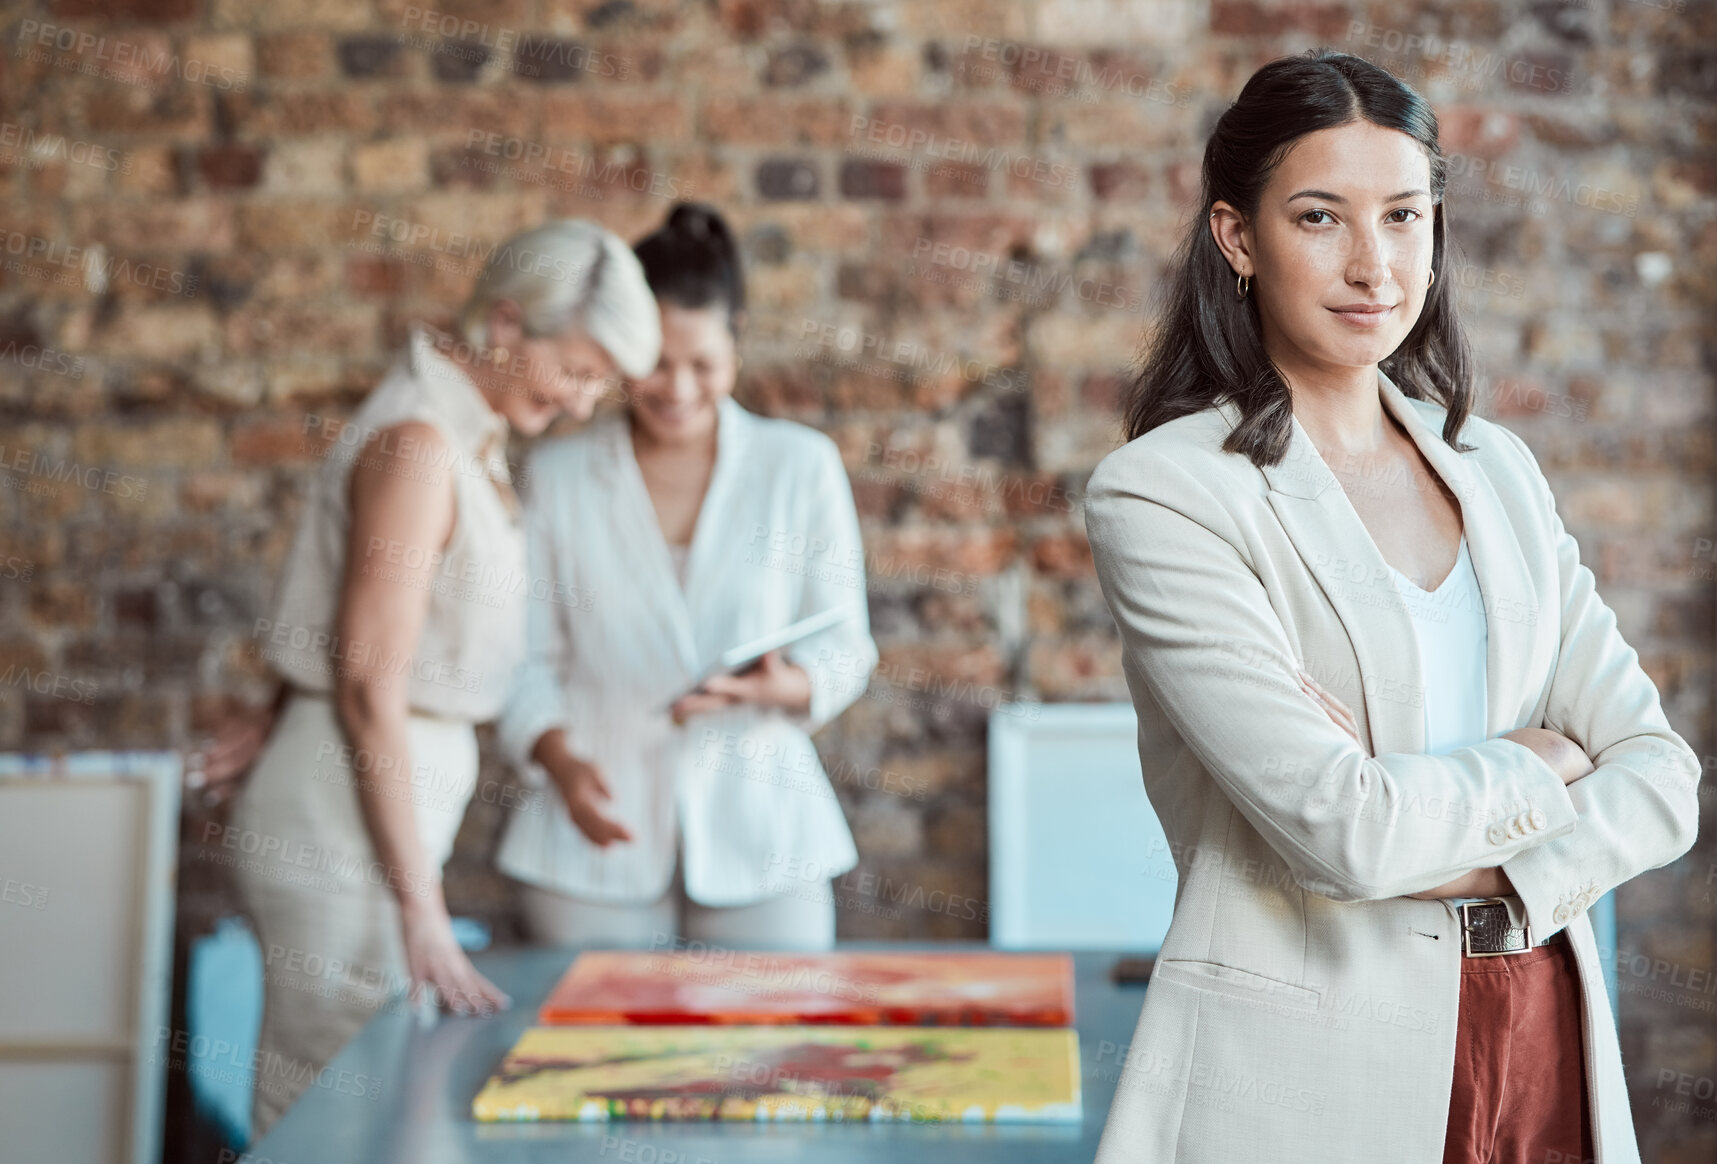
(1538, 819)
(1497, 834)
(1514, 829)
(1561, 914)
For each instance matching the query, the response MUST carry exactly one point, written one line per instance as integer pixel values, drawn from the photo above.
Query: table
(400, 1093)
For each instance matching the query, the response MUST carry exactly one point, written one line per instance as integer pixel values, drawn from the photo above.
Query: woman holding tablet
(1379, 698)
(685, 526)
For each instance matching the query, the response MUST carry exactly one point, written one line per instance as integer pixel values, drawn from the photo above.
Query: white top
(473, 632)
(776, 540)
(1453, 638)
(1449, 623)
(680, 552)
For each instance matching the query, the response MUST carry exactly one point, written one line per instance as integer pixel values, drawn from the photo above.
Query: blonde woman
(397, 626)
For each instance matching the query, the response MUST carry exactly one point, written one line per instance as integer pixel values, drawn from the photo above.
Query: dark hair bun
(692, 259)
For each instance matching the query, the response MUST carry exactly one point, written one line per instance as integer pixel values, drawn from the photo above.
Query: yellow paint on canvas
(787, 1072)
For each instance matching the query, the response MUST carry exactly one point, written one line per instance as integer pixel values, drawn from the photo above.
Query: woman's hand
(437, 964)
(216, 764)
(770, 682)
(1333, 707)
(1561, 753)
(582, 788)
(1487, 882)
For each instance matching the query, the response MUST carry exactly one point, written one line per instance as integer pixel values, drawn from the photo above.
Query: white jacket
(612, 640)
(1303, 1007)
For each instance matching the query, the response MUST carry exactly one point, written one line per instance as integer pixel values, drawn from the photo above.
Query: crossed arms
(1170, 569)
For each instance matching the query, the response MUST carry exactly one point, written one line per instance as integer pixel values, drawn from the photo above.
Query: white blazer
(1303, 1008)
(612, 640)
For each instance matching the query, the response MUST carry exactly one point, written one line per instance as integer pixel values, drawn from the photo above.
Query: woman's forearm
(1489, 882)
(375, 729)
(1567, 758)
(1569, 762)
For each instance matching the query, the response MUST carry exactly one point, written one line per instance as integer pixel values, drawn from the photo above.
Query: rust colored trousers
(1519, 1093)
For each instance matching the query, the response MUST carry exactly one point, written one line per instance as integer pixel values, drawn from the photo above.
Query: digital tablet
(736, 659)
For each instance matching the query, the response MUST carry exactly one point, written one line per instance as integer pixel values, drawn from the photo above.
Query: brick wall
(953, 213)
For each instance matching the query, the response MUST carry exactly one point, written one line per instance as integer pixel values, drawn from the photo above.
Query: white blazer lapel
(1338, 550)
(1510, 599)
(710, 536)
(640, 529)
(709, 533)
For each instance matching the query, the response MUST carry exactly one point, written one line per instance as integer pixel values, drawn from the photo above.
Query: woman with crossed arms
(1373, 680)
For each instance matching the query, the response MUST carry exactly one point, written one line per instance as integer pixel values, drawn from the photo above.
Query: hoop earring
(1242, 284)
(1433, 278)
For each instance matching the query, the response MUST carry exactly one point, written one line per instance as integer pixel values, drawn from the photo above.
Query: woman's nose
(1368, 264)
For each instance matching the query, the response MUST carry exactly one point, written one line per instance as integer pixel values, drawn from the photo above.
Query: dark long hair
(692, 261)
(1208, 346)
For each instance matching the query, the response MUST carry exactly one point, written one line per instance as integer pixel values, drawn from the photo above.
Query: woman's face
(678, 401)
(1340, 248)
(569, 372)
(539, 378)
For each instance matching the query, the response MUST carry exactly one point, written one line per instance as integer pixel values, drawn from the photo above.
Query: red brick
(203, 224)
(116, 11)
(131, 109)
(982, 550)
(779, 390)
(455, 115)
(1477, 132)
(1119, 181)
(300, 114)
(1249, 18)
(233, 165)
(753, 19)
(860, 179)
(1063, 556)
(347, 329)
(1088, 669)
(586, 117)
(956, 180)
(295, 54)
(908, 665)
(775, 120)
(270, 440)
(995, 234)
(974, 123)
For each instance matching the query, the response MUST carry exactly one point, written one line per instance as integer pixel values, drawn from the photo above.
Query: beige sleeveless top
(473, 634)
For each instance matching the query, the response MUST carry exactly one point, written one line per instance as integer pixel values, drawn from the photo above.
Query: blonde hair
(571, 273)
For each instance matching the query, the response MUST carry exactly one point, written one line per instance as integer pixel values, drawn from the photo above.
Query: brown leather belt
(1488, 930)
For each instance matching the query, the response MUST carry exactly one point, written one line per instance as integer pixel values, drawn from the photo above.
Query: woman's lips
(1363, 315)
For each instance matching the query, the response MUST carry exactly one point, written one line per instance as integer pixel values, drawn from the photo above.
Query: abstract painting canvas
(914, 1074)
(757, 987)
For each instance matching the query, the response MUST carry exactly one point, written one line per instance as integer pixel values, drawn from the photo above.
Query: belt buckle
(1493, 928)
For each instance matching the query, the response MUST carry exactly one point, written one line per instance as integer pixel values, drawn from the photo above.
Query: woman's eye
(1404, 210)
(1306, 217)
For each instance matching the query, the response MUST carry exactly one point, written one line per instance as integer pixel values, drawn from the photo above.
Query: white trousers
(325, 913)
(797, 921)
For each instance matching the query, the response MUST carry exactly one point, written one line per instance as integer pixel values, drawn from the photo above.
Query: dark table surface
(400, 1093)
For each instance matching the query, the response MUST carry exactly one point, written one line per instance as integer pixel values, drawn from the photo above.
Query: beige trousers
(325, 912)
(783, 922)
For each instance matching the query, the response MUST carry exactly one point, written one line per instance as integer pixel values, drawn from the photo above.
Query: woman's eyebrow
(1328, 197)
